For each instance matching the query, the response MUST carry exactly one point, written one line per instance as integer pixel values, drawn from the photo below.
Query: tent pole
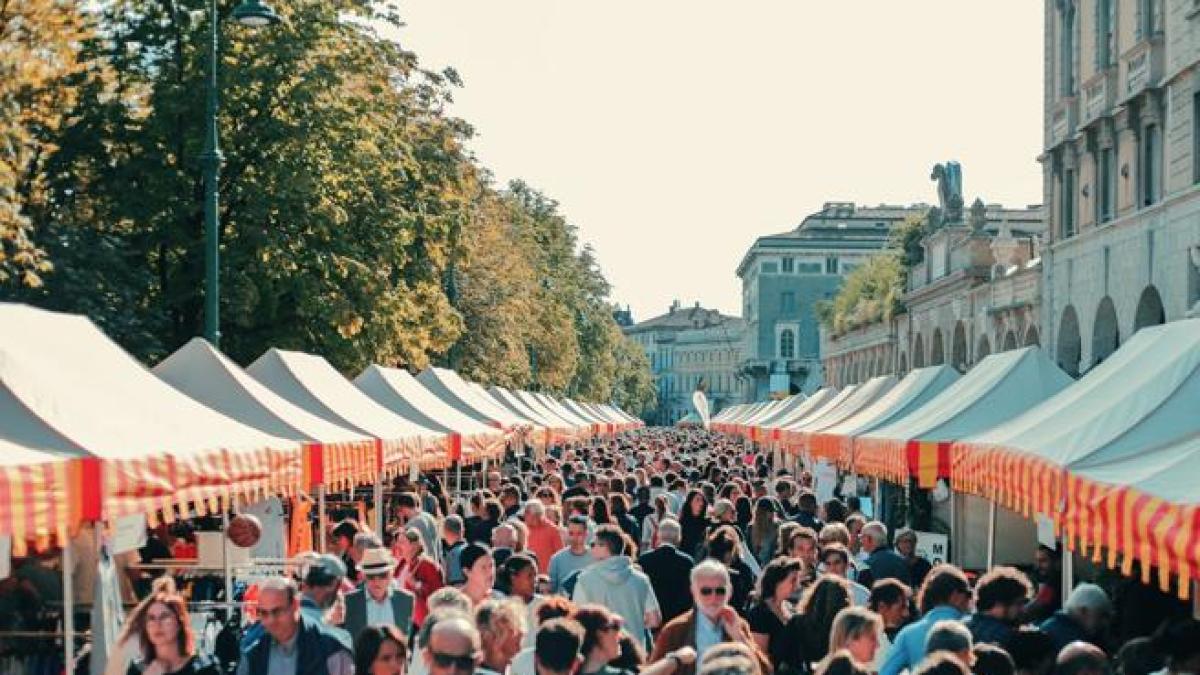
(1068, 570)
(225, 556)
(1195, 600)
(321, 536)
(379, 519)
(952, 554)
(458, 478)
(991, 535)
(68, 582)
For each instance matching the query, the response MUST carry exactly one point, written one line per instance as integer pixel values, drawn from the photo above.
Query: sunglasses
(713, 590)
(378, 576)
(612, 625)
(454, 661)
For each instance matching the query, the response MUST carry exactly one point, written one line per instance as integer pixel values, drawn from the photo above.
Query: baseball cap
(326, 569)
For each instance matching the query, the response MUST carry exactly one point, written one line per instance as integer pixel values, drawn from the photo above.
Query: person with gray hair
(287, 635)
(1083, 618)
(881, 562)
(669, 570)
(950, 636)
(451, 644)
(711, 621)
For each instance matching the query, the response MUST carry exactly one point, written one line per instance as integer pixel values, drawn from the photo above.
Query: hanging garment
(301, 537)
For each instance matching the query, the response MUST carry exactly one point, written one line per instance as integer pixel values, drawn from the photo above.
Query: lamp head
(255, 13)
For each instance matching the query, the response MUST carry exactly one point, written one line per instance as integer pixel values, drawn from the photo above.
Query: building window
(1148, 18)
(787, 265)
(770, 267)
(831, 265)
(1107, 177)
(1105, 21)
(1068, 204)
(809, 268)
(1151, 164)
(1196, 137)
(1066, 54)
(787, 302)
(787, 344)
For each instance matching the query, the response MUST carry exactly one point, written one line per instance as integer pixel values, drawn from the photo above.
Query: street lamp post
(252, 13)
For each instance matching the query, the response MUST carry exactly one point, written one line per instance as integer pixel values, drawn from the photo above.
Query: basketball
(244, 530)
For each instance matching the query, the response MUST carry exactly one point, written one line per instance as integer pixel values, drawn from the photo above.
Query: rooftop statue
(950, 199)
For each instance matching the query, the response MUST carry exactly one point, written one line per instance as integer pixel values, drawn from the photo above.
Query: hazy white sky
(674, 132)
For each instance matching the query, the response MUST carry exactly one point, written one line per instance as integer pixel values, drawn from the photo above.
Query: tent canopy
(848, 402)
(335, 456)
(448, 386)
(400, 392)
(997, 389)
(1143, 397)
(310, 382)
(70, 389)
(909, 394)
(810, 406)
(780, 411)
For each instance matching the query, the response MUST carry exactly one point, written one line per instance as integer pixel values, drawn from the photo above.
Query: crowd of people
(667, 552)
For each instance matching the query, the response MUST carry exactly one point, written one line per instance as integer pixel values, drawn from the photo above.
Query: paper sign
(129, 533)
(849, 486)
(824, 480)
(1045, 532)
(933, 547)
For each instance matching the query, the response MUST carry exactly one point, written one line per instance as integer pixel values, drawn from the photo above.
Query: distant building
(784, 275)
(1121, 172)
(977, 291)
(623, 317)
(688, 347)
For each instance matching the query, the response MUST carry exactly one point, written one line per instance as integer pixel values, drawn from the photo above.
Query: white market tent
(810, 406)
(555, 406)
(1123, 429)
(449, 387)
(400, 392)
(516, 407)
(782, 410)
(912, 392)
(550, 412)
(335, 455)
(69, 389)
(310, 382)
(592, 416)
(999, 388)
(849, 402)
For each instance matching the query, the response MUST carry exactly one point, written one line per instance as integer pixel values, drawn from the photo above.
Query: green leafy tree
(342, 185)
(40, 74)
(634, 391)
(871, 293)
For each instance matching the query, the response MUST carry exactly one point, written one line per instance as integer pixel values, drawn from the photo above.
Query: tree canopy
(355, 222)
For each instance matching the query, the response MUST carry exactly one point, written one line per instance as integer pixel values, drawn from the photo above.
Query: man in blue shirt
(946, 596)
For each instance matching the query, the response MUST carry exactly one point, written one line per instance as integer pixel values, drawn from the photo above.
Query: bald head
(1081, 658)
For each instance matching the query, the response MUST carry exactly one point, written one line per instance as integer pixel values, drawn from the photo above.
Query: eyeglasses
(273, 612)
(455, 661)
(713, 590)
(378, 576)
(612, 625)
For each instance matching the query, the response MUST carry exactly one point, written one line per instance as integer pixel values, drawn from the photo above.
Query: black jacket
(670, 573)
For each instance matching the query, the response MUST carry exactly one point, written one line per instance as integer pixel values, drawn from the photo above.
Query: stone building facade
(690, 347)
(977, 291)
(783, 277)
(1121, 169)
